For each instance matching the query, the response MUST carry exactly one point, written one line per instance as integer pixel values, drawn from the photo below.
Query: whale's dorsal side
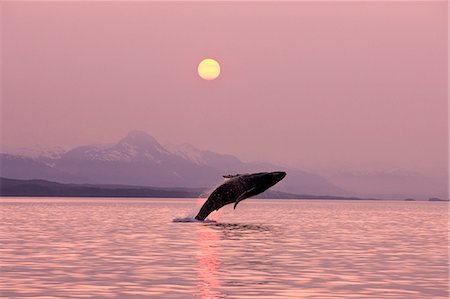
(230, 176)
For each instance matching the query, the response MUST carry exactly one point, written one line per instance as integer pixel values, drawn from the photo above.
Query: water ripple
(60, 248)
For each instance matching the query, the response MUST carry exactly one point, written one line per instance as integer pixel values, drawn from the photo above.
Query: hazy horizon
(313, 85)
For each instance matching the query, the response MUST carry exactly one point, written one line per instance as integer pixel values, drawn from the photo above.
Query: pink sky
(321, 85)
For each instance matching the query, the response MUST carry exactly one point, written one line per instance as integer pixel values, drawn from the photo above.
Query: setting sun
(208, 69)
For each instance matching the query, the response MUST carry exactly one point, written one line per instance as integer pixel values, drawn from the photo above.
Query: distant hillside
(21, 167)
(42, 188)
(14, 187)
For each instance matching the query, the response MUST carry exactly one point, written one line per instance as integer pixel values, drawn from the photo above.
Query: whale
(237, 188)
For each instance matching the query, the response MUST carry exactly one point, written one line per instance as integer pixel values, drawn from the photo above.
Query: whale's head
(277, 175)
(265, 180)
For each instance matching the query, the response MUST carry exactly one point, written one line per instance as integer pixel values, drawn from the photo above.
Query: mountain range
(139, 159)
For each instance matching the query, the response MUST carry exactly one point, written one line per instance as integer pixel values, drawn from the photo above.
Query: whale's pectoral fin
(242, 197)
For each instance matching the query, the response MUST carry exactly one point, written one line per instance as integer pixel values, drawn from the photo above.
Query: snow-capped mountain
(227, 163)
(136, 146)
(297, 181)
(139, 159)
(39, 153)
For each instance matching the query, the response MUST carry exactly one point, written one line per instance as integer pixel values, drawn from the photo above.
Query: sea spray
(193, 220)
(190, 216)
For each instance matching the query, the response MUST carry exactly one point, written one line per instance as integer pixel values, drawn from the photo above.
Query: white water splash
(190, 216)
(193, 220)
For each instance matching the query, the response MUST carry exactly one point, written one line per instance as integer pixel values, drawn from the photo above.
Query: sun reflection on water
(208, 264)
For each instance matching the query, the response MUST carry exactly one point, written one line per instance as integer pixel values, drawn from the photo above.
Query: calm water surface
(131, 248)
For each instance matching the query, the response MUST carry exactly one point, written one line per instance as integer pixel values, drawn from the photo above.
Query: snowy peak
(99, 153)
(136, 146)
(187, 152)
(38, 152)
(228, 163)
(47, 156)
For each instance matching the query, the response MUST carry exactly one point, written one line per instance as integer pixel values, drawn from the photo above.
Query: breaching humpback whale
(237, 188)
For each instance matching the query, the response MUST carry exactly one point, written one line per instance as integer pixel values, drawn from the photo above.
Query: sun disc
(208, 69)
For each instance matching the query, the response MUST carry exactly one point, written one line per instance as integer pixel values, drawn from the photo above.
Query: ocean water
(131, 248)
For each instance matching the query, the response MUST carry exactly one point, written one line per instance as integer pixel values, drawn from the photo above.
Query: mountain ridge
(139, 159)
